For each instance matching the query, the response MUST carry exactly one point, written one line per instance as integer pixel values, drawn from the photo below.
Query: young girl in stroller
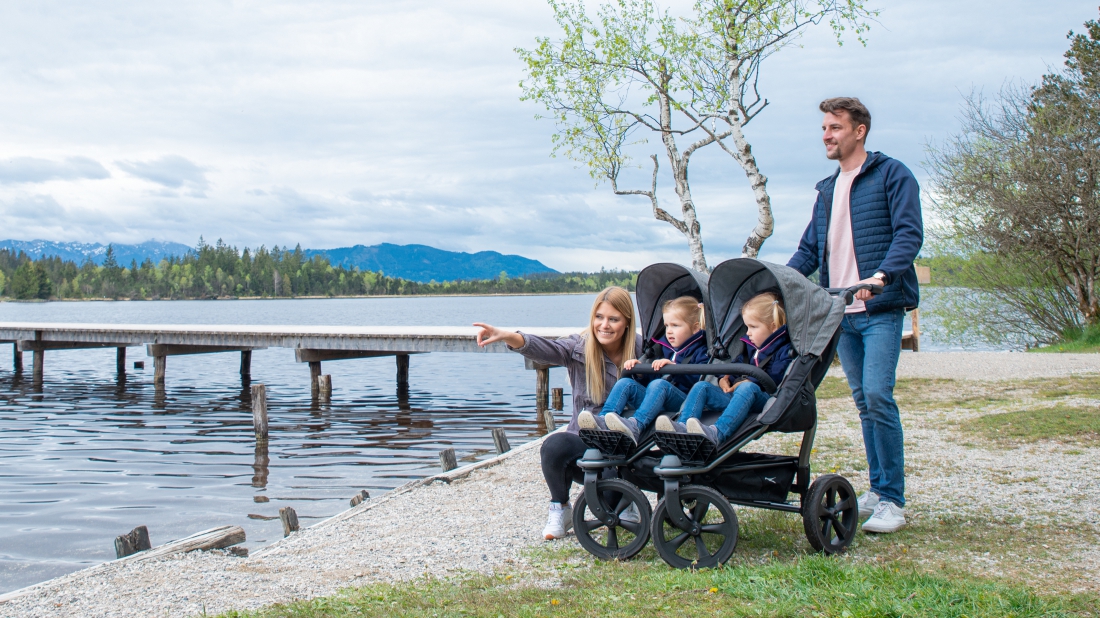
(767, 346)
(685, 342)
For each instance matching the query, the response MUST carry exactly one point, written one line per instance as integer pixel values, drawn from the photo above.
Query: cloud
(171, 171)
(333, 122)
(33, 170)
(32, 208)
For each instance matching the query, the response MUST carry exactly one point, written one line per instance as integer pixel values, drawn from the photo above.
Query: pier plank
(214, 538)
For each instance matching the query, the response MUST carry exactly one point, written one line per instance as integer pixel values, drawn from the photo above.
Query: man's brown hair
(857, 111)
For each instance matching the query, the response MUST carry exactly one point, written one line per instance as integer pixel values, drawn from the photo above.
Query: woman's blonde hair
(593, 351)
(688, 308)
(766, 307)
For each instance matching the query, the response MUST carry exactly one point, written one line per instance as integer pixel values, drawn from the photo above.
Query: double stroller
(697, 482)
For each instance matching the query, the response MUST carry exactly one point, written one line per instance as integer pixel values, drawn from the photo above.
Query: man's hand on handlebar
(866, 294)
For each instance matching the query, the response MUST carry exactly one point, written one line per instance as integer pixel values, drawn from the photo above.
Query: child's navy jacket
(693, 352)
(773, 357)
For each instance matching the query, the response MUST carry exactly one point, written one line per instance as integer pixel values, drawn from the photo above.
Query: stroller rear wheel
(830, 514)
(617, 539)
(711, 526)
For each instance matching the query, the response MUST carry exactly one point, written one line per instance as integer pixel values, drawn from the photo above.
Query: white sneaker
(888, 517)
(558, 522)
(631, 514)
(664, 423)
(867, 503)
(625, 426)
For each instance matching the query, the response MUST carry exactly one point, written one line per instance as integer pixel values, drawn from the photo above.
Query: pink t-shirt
(843, 268)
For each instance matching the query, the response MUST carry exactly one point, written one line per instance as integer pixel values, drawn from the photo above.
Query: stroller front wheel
(623, 538)
(830, 514)
(712, 531)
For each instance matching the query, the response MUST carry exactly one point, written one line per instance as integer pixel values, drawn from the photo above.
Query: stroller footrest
(692, 449)
(612, 444)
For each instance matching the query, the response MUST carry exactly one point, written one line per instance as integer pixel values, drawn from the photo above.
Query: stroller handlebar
(849, 294)
(716, 369)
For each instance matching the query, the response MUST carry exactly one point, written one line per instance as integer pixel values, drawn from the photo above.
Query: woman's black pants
(560, 452)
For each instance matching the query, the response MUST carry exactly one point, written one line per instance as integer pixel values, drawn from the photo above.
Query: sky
(335, 123)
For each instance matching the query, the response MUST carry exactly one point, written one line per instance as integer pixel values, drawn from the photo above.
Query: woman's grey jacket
(568, 352)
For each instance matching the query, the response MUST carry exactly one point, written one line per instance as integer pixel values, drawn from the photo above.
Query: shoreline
(221, 298)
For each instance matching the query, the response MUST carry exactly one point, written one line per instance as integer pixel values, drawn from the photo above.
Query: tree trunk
(765, 224)
(691, 228)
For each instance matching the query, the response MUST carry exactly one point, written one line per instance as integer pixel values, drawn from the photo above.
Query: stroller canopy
(660, 283)
(813, 315)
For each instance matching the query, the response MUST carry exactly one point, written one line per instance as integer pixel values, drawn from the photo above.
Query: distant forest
(221, 271)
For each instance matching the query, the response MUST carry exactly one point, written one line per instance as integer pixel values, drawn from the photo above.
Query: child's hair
(766, 307)
(688, 308)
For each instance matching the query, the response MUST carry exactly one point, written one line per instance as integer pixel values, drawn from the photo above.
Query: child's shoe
(666, 424)
(622, 425)
(710, 432)
(587, 420)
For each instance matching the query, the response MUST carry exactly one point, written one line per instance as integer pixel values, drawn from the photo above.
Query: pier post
(324, 387)
(259, 411)
(38, 365)
(159, 363)
(500, 440)
(557, 399)
(314, 373)
(402, 371)
(289, 519)
(447, 459)
(120, 361)
(547, 417)
(260, 463)
(16, 358)
(246, 364)
(542, 388)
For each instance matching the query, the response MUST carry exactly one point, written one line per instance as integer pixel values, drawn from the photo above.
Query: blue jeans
(869, 348)
(648, 401)
(748, 398)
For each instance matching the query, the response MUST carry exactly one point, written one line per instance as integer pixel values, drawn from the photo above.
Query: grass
(810, 586)
(1027, 426)
(1085, 341)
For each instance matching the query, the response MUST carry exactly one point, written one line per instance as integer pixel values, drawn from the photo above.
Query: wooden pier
(312, 345)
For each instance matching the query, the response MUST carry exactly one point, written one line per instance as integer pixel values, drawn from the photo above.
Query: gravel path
(483, 519)
(992, 365)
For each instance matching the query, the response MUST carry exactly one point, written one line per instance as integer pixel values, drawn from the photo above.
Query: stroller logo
(770, 479)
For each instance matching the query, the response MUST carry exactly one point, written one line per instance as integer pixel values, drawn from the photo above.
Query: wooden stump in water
(447, 459)
(289, 519)
(324, 387)
(402, 371)
(360, 498)
(548, 420)
(557, 398)
(259, 411)
(120, 361)
(38, 362)
(500, 440)
(132, 542)
(17, 359)
(246, 364)
(139, 364)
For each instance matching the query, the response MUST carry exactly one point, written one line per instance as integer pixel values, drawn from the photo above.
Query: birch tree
(634, 71)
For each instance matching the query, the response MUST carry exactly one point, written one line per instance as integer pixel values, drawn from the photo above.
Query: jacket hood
(773, 342)
(696, 338)
(874, 159)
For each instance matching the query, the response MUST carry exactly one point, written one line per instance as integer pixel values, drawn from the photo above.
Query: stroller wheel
(713, 533)
(621, 540)
(830, 514)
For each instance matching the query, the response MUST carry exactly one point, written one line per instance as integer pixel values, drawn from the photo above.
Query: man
(866, 228)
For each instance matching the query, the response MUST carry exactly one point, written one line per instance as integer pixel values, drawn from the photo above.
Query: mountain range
(413, 262)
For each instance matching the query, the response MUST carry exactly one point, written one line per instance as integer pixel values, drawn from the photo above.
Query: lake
(87, 457)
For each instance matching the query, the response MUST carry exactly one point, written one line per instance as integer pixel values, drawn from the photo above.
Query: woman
(594, 360)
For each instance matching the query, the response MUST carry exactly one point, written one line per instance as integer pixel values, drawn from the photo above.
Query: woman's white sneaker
(558, 522)
(888, 517)
(867, 503)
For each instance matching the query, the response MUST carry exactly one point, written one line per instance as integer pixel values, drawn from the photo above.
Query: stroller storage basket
(751, 477)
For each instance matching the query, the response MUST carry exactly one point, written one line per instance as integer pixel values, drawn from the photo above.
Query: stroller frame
(694, 475)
